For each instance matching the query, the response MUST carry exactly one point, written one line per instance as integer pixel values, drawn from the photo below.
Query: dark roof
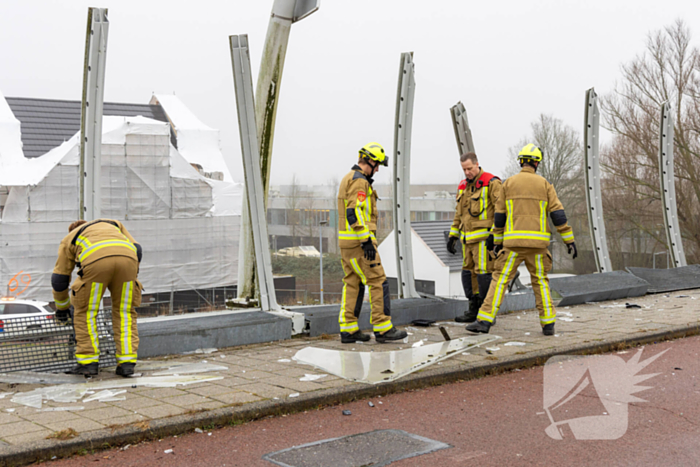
(47, 123)
(434, 234)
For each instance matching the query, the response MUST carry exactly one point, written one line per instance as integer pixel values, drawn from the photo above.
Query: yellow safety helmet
(375, 152)
(530, 152)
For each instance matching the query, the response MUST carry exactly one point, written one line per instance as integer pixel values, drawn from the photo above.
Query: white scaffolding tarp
(187, 224)
(196, 142)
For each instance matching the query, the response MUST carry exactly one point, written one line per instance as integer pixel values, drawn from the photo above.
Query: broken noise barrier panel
(39, 343)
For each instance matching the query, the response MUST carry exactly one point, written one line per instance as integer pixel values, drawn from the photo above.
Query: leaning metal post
(91, 113)
(255, 207)
(251, 167)
(284, 13)
(668, 187)
(402, 177)
(463, 134)
(594, 199)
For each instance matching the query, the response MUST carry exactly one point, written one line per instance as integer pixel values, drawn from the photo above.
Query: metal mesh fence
(39, 343)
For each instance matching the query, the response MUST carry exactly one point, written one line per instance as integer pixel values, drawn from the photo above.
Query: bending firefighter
(357, 227)
(476, 201)
(521, 233)
(107, 257)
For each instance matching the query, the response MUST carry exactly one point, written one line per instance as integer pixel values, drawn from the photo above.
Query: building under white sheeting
(187, 223)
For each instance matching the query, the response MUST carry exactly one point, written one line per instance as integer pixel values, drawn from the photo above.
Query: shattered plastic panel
(67, 393)
(379, 367)
(35, 377)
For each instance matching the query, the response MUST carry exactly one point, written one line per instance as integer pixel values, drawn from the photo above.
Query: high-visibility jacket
(86, 244)
(521, 212)
(476, 204)
(357, 210)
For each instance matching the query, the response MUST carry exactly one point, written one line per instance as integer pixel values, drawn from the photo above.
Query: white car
(25, 317)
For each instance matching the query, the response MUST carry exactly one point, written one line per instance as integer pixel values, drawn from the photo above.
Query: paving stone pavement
(265, 371)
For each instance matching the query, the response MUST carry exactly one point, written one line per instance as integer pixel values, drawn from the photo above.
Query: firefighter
(357, 228)
(107, 257)
(476, 201)
(522, 213)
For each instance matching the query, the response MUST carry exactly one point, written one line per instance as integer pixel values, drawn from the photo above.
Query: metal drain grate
(375, 448)
(38, 343)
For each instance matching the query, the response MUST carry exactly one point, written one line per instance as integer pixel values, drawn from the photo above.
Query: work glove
(370, 251)
(572, 247)
(451, 245)
(497, 248)
(489, 243)
(64, 317)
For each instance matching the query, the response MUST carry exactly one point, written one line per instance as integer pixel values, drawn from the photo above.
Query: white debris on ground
(201, 351)
(378, 367)
(310, 377)
(514, 344)
(102, 395)
(63, 409)
(71, 389)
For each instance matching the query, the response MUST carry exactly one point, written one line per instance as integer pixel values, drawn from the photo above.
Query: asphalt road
(493, 421)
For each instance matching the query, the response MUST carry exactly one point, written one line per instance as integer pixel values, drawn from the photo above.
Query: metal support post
(594, 198)
(402, 176)
(284, 14)
(91, 114)
(243, 83)
(320, 248)
(668, 188)
(463, 134)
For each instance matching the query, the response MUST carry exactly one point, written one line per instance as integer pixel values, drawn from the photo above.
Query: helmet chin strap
(367, 161)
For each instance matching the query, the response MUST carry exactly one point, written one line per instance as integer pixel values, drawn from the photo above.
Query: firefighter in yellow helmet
(357, 228)
(107, 257)
(521, 233)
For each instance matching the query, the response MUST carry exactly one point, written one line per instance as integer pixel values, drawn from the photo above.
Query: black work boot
(392, 334)
(470, 315)
(479, 326)
(548, 329)
(125, 369)
(351, 338)
(91, 369)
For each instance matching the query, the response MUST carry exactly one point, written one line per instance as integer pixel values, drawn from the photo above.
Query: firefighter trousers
(476, 266)
(539, 263)
(359, 273)
(118, 274)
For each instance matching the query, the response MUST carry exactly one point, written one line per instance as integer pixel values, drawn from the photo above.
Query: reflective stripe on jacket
(88, 243)
(521, 213)
(474, 213)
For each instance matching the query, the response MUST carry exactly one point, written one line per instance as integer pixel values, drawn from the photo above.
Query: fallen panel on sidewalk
(380, 367)
(669, 280)
(598, 287)
(71, 393)
(375, 448)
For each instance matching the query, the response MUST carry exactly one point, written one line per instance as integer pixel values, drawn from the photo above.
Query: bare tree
(562, 164)
(668, 70)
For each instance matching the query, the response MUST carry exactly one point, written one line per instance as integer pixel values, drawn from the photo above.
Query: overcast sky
(507, 61)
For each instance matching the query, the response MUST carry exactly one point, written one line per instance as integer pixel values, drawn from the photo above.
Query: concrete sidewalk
(260, 381)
